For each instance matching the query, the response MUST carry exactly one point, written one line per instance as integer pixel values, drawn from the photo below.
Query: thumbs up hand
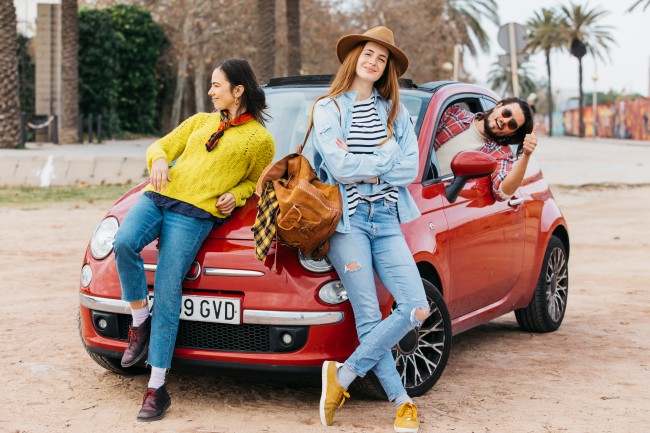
(530, 141)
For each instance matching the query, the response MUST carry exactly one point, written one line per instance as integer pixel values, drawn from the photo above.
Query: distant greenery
(21, 195)
(611, 96)
(119, 48)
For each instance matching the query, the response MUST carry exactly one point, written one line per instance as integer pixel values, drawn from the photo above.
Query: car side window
(442, 157)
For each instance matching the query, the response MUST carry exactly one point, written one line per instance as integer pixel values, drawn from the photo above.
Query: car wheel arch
(429, 272)
(562, 234)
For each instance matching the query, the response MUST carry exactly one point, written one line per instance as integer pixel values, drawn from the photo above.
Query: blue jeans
(376, 243)
(180, 239)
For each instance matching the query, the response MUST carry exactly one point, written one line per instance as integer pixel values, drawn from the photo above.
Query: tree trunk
(581, 121)
(68, 120)
(265, 40)
(199, 85)
(10, 100)
(181, 73)
(293, 37)
(549, 94)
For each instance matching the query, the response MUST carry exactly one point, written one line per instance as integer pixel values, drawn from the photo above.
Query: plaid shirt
(457, 120)
(265, 228)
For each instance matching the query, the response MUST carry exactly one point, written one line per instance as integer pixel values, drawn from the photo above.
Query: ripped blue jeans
(376, 243)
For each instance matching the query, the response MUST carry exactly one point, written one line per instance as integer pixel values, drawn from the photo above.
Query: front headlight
(101, 244)
(320, 266)
(86, 275)
(333, 293)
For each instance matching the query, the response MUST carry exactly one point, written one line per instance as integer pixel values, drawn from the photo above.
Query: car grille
(214, 336)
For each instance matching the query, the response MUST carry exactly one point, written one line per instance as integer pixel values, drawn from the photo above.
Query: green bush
(119, 49)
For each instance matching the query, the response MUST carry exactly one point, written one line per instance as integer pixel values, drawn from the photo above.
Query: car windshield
(290, 109)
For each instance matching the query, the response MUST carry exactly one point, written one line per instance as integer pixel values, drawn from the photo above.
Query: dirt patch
(591, 375)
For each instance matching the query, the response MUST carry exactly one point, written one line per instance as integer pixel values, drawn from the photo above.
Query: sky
(628, 70)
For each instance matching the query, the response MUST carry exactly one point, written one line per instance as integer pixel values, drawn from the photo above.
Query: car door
(485, 239)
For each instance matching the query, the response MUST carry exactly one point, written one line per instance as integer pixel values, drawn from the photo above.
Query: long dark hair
(239, 72)
(518, 136)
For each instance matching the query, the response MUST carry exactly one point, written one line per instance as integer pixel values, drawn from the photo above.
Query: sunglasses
(512, 123)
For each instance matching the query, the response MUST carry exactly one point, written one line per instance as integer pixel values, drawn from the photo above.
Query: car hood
(240, 222)
(238, 225)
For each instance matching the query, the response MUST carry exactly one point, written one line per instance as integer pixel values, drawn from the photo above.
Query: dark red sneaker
(138, 343)
(154, 404)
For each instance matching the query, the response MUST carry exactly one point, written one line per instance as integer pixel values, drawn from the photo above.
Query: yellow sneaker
(406, 420)
(333, 395)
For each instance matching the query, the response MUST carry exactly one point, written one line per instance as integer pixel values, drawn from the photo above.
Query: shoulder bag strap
(311, 124)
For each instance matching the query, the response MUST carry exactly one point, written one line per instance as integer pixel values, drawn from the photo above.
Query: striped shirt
(366, 132)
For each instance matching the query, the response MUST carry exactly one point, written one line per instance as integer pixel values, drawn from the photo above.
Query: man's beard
(488, 130)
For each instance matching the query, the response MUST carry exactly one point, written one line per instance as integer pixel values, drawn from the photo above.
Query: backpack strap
(311, 124)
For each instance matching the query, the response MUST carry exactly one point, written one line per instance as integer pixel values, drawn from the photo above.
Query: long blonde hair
(387, 86)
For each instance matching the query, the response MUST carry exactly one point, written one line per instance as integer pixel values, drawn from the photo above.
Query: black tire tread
(533, 318)
(370, 386)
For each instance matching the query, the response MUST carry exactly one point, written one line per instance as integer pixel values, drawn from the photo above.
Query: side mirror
(466, 166)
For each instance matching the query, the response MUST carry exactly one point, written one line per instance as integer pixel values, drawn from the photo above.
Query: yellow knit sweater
(199, 177)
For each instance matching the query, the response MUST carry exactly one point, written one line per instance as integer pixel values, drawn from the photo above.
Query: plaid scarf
(226, 123)
(264, 229)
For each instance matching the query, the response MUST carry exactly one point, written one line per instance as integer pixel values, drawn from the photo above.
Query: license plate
(208, 309)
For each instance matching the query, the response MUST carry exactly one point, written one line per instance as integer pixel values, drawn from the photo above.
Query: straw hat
(380, 35)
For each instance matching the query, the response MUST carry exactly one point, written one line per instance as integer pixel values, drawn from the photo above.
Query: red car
(478, 258)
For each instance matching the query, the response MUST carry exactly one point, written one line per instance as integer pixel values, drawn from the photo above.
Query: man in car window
(491, 132)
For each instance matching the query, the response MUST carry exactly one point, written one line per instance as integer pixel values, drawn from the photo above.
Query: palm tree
(68, 122)
(265, 40)
(545, 35)
(463, 19)
(584, 35)
(10, 100)
(500, 78)
(293, 37)
(637, 3)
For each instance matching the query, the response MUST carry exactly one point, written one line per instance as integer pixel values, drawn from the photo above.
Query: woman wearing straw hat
(365, 143)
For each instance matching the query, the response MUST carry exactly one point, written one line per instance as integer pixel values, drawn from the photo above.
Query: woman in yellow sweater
(218, 158)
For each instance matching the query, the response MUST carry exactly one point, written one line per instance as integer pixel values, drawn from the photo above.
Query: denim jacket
(394, 162)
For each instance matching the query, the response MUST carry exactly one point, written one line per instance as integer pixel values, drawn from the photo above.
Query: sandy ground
(592, 375)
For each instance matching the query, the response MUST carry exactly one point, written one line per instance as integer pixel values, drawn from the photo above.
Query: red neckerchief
(225, 124)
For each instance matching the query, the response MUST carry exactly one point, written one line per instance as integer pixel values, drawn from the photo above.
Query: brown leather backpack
(309, 210)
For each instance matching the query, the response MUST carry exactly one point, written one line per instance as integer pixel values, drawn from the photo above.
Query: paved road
(564, 161)
(574, 161)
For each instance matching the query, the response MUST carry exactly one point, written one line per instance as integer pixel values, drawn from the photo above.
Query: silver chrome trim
(221, 272)
(104, 304)
(292, 318)
(515, 201)
(254, 317)
(197, 274)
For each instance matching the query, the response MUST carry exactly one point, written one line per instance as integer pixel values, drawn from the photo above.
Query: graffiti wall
(624, 119)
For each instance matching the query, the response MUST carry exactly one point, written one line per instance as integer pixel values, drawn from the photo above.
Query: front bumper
(253, 317)
(264, 340)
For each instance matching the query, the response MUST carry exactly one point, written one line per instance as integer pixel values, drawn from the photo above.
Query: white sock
(157, 378)
(139, 315)
(401, 399)
(345, 376)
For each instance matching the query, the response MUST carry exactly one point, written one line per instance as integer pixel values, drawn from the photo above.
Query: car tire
(421, 356)
(111, 364)
(546, 310)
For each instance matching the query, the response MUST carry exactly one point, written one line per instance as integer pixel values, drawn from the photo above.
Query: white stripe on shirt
(366, 132)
